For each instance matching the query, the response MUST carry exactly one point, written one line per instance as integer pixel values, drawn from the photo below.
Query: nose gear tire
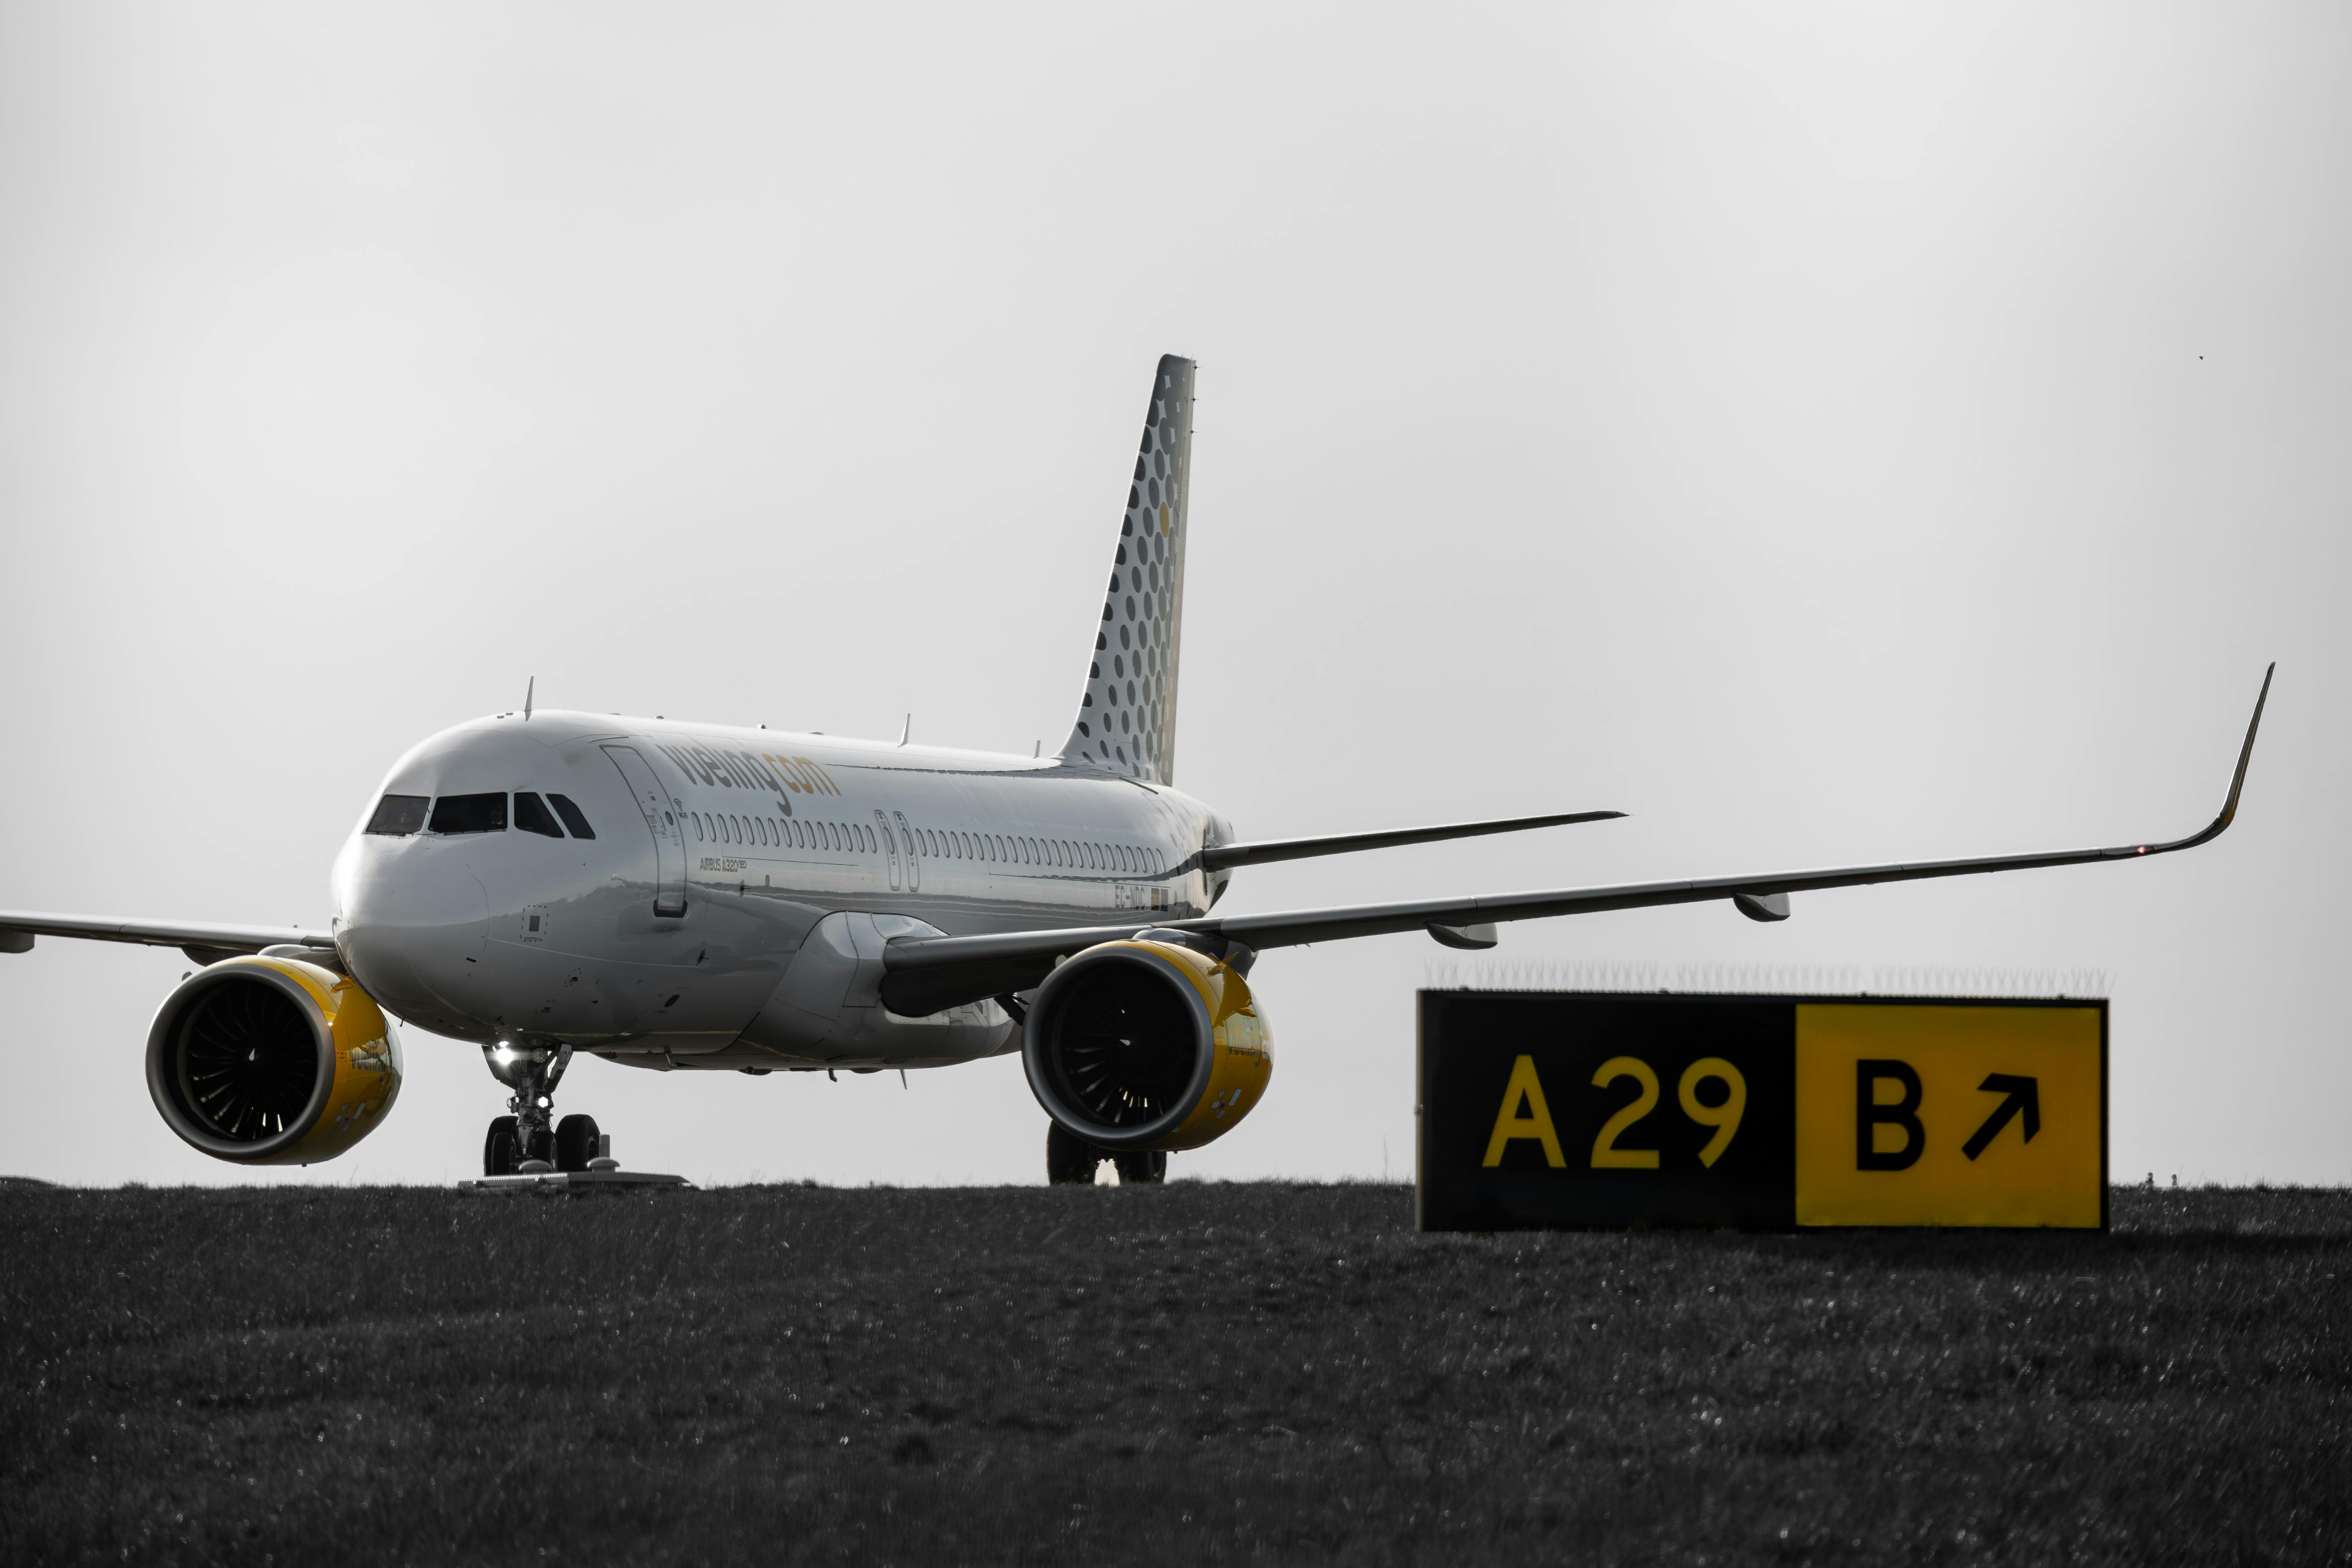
(502, 1149)
(576, 1142)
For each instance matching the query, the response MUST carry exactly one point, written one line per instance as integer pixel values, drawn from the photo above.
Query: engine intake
(1146, 1045)
(272, 1061)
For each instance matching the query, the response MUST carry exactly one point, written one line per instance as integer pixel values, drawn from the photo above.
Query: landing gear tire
(576, 1142)
(1070, 1160)
(1143, 1168)
(502, 1149)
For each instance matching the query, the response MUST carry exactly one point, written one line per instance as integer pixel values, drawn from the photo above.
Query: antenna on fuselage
(528, 692)
(906, 729)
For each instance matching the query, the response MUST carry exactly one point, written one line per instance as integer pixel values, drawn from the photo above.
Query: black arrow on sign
(2024, 1094)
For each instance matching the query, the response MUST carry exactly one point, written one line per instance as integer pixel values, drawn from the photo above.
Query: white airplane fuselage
(732, 908)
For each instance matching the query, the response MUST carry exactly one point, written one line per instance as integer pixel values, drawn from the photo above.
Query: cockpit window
(532, 816)
(470, 812)
(398, 814)
(574, 819)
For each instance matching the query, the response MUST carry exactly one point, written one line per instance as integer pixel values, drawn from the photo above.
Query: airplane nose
(414, 921)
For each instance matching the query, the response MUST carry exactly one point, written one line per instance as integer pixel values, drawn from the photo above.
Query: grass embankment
(1198, 1373)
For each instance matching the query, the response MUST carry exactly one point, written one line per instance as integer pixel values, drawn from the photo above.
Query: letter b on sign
(1901, 1116)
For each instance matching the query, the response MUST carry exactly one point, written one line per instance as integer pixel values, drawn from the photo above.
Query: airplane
(682, 896)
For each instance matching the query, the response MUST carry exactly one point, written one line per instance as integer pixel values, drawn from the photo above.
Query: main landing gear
(531, 1139)
(1071, 1161)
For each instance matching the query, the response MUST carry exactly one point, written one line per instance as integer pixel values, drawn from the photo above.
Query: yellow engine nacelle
(1146, 1045)
(272, 1061)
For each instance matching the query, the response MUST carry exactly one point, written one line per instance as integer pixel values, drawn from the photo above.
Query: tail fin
(1126, 717)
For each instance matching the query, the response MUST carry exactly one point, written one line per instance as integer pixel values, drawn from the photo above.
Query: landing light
(505, 1053)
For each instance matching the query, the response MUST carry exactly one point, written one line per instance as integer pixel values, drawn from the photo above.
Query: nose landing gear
(531, 1141)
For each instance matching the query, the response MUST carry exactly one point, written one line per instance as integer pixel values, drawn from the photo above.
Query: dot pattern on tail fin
(1127, 715)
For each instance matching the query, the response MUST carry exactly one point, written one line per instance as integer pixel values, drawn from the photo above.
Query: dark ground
(1201, 1373)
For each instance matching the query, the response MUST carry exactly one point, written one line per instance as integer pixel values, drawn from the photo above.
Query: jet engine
(272, 1061)
(1146, 1045)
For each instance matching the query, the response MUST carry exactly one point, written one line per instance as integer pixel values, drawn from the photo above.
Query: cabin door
(660, 810)
(889, 847)
(914, 861)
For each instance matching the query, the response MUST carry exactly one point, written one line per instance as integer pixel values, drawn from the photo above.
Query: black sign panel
(1661, 1112)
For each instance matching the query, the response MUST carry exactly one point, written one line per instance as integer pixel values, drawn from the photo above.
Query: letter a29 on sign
(1589, 1110)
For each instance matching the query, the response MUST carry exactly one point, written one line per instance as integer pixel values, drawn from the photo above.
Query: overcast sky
(1829, 434)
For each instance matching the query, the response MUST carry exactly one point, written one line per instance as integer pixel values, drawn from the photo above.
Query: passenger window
(470, 812)
(573, 817)
(532, 816)
(868, 834)
(397, 815)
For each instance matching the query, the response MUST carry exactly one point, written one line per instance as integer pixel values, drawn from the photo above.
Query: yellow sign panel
(1950, 1115)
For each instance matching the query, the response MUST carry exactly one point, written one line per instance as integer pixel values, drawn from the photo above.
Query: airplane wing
(924, 975)
(1223, 856)
(203, 942)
